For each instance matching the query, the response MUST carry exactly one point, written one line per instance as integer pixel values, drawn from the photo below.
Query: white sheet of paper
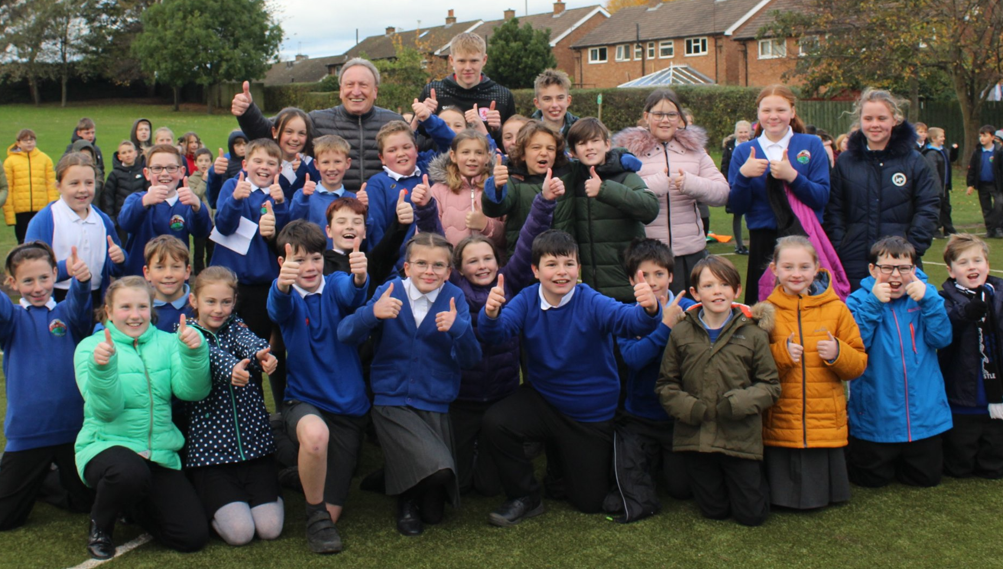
(240, 241)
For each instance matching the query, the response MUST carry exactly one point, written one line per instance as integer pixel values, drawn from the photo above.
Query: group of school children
(395, 305)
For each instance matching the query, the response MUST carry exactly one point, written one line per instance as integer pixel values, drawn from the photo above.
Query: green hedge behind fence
(715, 108)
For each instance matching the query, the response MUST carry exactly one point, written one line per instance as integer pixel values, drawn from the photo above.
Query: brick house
(711, 41)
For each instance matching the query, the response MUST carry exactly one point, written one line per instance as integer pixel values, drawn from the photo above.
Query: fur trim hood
(437, 167)
(902, 142)
(762, 313)
(639, 141)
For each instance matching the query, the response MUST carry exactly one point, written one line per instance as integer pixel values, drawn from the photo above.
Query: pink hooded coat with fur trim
(703, 183)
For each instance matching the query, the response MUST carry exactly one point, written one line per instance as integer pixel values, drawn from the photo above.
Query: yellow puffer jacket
(811, 412)
(32, 182)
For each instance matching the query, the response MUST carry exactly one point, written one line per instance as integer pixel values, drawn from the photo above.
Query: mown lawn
(953, 525)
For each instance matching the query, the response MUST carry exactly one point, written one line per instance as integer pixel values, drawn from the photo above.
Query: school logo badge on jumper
(899, 179)
(177, 223)
(803, 157)
(57, 328)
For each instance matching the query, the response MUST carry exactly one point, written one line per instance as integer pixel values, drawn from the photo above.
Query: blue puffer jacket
(231, 424)
(877, 194)
(900, 398)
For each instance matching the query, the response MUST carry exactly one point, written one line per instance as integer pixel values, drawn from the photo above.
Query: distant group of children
(471, 300)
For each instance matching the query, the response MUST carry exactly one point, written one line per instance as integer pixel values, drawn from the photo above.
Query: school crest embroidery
(899, 179)
(57, 328)
(804, 157)
(177, 223)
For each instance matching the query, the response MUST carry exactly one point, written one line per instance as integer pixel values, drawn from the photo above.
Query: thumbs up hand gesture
(266, 223)
(474, 120)
(670, 313)
(644, 295)
(358, 263)
(240, 376)
(496, 298)
(679, 181)
(242, 189)
(387, 306)
(421, 194)
(289, 270)
(267, 360)
(444, 320)
(828, 349)
(104, 351)
(115, 252)
(593, 184)
(795, 349)
(220, 164)
(431, 102)
(188, 197)
(155, 195)
(362, 195)
(493, 117)
(500, 172)
(241, 101)
(188, 336)
(405, 213)
(77, 268)
(754, 167)
(309, 186)
(421, 111)
(275, 190)
(782, 169)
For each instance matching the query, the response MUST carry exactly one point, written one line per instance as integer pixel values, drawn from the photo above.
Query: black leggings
(161, 500)
(22, 474)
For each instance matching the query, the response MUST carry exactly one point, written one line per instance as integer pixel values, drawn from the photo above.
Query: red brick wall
(567, 59)
(755, 72)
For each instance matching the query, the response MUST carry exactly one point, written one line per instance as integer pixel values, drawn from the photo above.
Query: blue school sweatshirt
(643, 356)
(42, 228)
(144, 223)
(260, 265)
(412, 366)
(44, 406)
(290, 187)
(748, 195)
(328, 373)
(169, 313)
(570, 348)
(383, 189)
(314, 207)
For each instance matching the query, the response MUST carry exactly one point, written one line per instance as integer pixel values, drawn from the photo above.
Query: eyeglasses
(889, 269)
(660, 116)
(423, 266)
(161, 169)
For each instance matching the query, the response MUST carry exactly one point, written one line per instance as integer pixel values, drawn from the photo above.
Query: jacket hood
(80, 144)
(232, 139)
(902, 142)
(437, 167)
(819, 292)
(12, 150)
(762, 313)
(132, 133)
(639, 141)
(76, 137)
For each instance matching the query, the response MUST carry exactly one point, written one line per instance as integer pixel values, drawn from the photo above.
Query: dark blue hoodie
(214, 182)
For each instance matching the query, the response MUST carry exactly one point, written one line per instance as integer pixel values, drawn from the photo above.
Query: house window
(772, 48)
(666, 49)
(623, 53)
(651, 50)
(808, 45)
(696, 46)
(597, 55)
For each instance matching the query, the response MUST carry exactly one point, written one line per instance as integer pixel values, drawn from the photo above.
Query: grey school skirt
(416, 444)
(807, 478)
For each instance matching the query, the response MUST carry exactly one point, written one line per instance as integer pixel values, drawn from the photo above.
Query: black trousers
(991, 202)
(974, 446)
(252, 306)
(761, 245)
(161, 500)
(21, 221)
(655, 441)
(918, 463)
(683, 267)
(475, 469)
(22, 474)
(728, 486)
(585, 449)
(203, 249)
(945, 213)
(736, 228)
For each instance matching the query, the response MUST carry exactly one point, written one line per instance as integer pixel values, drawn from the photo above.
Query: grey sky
(320, 29)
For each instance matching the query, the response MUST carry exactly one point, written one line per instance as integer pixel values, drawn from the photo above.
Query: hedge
(715, 108)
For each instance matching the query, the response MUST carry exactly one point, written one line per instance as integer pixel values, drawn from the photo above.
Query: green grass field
(953, 525)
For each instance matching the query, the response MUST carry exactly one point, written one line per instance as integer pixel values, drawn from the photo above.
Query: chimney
(301, 57)
(509, 14)
(558, 7)
(391, 30)
(450, 19)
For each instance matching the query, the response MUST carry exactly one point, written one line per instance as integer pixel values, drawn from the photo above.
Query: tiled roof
(427, 39)
(303, 71)
(676, 19)
(558, 24)
(766, 16)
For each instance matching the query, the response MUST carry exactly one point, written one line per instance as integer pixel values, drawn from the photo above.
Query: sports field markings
(120, 550)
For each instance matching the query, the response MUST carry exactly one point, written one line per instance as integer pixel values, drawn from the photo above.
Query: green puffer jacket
(128, 402)
(717, 392)
(606, 224)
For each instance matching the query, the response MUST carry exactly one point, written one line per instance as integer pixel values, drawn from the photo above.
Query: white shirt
(50, 304)
(172, 199)
(545, 304)
(775, 150)
(421, 302)
(88, 235)
(304, 293)
(398, 177)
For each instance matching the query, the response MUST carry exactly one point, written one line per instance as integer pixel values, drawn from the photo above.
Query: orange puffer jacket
(32, 182)
(811, 412)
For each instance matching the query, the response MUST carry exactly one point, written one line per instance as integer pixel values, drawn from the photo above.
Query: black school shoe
(321, 533)
(99, 543)
(514, 511)
(408, 518)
